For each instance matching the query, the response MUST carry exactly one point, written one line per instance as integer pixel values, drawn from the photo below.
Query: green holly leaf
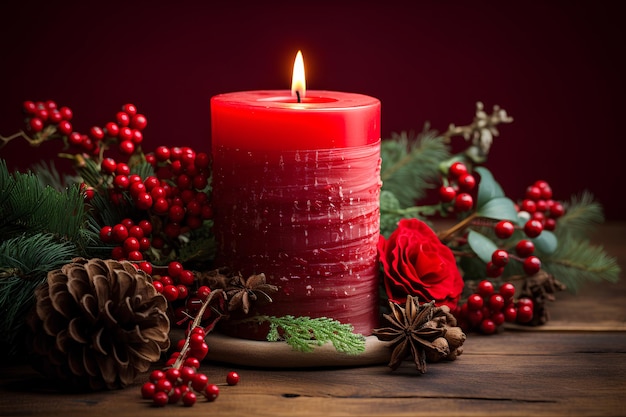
(488, 187)
(482, 246)
(498, 208)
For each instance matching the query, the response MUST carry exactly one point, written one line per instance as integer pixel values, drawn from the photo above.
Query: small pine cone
(98, 323)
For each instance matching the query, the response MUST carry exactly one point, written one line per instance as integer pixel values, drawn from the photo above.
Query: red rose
(415, 262)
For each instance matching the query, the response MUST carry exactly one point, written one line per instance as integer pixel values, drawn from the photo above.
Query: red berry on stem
(160, 399)
(498, 317)
(232, 378)
(496, 302)
(457, 169)
(131, 244)
(446, 193)
(463, 202)
(524, 248)
(528, 205)
(147, 390)
(202, 160)
(507, 290)
(199, 382)
(467, 182)
(549, 224)
(108, 165)
(35, 124)
(66, 113)
(510, 314)
(119, 233)
(163, 385)
(186, 278)
(524, 313)
(533, 193)
(156, 375)
(75, 139)
(122, 118)
(112, 129)
(129, 109)
(170, 292)
(500, 257)
(106, 234)
(475, 316)
(211, 392)
(533, 228)
(485, 288)
(532, 265)
(189, 399)
(201, 352)
(493, 270)
(127, 147)
(475, 302)
(143, 201)
(65, 127)
(29, 107)
(487, 326)
(504, 229)
(138, 121)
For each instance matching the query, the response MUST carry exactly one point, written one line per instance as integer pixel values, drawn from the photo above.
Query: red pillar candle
(296, 186)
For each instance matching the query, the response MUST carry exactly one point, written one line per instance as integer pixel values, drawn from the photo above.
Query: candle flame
(298, 82)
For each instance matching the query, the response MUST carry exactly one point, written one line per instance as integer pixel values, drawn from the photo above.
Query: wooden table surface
(574, 365)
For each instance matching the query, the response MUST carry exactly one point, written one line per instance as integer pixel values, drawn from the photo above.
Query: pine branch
(577, 260)
(582, 213)
(24, 264)
(26, 206)
(303, 333)
(409, 166)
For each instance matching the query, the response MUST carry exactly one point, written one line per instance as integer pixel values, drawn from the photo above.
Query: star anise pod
(411, 333)
(241, 293)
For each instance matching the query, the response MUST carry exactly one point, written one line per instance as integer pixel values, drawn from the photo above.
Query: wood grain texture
(555, 371)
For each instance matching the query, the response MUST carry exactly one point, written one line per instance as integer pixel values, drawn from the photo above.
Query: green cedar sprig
(304, 333)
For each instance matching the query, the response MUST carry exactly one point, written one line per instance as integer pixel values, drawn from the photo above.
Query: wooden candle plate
(265, 354)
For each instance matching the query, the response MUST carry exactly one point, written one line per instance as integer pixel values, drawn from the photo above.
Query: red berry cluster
(42, 114)
(172, 202)
(540, 206)
(179, 287)
(457, 187)
(125, 131)
(180, 379)
(486, 310)
(542, 215)
(522, 251)
(176, 196)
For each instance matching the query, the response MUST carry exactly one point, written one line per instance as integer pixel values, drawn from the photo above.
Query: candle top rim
(282, 99)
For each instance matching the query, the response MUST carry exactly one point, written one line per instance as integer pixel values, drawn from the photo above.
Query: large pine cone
(98, 322)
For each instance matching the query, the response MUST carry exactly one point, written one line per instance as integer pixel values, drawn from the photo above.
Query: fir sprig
(23, 266)
(304, 333)
(27, 206)
(409, 165)
(577, 261)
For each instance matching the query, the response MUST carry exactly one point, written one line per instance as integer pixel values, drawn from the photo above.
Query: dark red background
(558, 67)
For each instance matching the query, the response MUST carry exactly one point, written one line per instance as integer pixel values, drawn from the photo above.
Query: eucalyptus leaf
(482, 246)
(546, 242)
(498, 208)
(488, 187)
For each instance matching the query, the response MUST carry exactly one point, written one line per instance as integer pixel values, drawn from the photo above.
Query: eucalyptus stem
(445, 235)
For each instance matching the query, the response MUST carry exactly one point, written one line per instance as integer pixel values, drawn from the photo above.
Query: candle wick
(298, 96)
